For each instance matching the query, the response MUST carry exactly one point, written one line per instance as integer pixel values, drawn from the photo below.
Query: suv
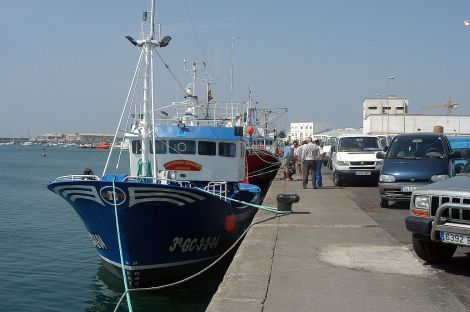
(440, 217)
(354, 157)
(413, 160)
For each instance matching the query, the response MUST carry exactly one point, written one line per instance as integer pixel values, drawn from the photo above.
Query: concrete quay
(328, 255)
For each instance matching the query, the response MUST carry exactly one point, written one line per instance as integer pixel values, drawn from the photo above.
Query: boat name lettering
(97, 241)
(189, 244)
(107, 195)
(182, 164)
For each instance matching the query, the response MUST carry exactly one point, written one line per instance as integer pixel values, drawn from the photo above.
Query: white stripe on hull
(156, 266)
(77, 191)
(148, 194)
(174, 191)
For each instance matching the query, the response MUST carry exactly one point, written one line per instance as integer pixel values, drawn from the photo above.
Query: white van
(354, 158)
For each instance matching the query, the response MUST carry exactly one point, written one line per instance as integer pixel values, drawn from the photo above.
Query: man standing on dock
(310, 155)
(288, 153)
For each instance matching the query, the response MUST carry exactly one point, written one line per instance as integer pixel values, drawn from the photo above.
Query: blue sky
(65, 65)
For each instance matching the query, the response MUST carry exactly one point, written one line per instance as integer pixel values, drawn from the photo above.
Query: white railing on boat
(217, 188)
(216, 114)
(182, 183)
(76, 177)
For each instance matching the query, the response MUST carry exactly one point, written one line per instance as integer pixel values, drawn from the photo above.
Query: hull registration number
(455, 238)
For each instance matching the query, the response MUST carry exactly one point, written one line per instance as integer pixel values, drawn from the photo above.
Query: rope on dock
(128, 296)
(128, 291)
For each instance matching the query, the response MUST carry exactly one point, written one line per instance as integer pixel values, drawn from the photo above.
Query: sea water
(47, 260)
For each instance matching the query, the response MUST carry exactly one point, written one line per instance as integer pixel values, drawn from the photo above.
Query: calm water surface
(47, 260)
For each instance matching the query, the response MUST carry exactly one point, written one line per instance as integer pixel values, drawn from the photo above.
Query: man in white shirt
(310, 155)
(300, 159)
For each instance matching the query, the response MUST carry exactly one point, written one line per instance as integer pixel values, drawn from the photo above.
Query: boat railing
(214, 113)
(217, 188)
(76, 177)
(182, 183)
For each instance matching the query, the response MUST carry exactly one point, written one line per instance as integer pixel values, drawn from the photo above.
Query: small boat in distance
(182, 204)
(103, 145)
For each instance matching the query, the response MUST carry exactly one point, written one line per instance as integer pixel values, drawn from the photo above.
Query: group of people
(306, 158)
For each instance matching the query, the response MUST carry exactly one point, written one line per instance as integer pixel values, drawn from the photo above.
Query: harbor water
(47, 259)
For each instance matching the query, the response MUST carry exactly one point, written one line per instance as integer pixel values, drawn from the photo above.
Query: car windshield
(416, 148)
(359, 144)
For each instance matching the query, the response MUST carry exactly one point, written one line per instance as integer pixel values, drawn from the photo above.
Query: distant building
(51, 137)
(390, 116)
(382, 106)
(75, 137)
(302, 130)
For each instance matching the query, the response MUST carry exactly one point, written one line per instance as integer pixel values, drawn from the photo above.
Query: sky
(65, 66)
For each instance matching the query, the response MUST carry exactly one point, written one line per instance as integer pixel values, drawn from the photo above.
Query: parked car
(385, 140)
(439, 217)
(414, 160)
(354, 158)
(462, 144)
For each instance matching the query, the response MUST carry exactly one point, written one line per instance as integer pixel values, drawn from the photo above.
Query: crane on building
(450, 105)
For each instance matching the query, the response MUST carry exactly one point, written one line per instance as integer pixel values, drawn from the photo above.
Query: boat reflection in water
(193, 296)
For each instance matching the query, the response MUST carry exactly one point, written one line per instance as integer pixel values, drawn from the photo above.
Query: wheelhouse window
(182, 147)
(136, 147)
(160, 147)
(206, 148)
(227, 149)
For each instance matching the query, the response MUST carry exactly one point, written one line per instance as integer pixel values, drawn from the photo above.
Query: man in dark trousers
(310, 156)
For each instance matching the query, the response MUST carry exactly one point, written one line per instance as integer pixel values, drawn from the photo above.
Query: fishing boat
(261, 155)
(182, 204)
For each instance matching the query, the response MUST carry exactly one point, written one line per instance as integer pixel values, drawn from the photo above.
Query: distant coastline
(79, 138)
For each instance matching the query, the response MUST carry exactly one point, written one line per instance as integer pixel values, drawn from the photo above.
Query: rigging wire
(172, 74)
(196, 35)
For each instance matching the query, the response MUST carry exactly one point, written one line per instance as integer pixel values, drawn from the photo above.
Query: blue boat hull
(167, 232)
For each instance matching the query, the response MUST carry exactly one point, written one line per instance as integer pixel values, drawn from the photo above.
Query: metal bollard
(285, 201)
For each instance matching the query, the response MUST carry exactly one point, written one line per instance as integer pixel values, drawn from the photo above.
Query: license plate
(455, 238)
(362, 172)
(408, 188)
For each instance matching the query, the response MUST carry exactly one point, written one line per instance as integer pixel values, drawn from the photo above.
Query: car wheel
(384, 203)
(337, 180)
(432, 252)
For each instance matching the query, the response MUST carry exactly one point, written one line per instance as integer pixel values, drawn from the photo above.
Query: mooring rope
(262, 207)
(128, 291)
(128, 296)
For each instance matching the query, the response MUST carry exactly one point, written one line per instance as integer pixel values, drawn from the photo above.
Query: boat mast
(191, 90)
(145, 127)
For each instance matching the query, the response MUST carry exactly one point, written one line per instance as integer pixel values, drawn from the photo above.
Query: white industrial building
(390, 116)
